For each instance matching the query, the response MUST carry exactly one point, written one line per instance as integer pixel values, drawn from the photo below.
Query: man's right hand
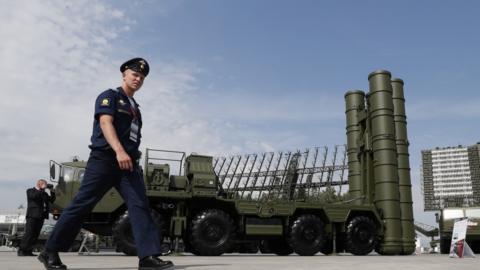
(108, 130)
(124, 161)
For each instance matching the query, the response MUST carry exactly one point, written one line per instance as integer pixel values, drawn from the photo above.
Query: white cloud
(56, 58)
(50, 65)
(117, 13)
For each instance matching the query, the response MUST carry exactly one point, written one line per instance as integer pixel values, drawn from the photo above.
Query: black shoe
(154, 263)
(51, 260)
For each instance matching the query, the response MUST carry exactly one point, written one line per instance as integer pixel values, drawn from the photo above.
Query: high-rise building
(451, 177)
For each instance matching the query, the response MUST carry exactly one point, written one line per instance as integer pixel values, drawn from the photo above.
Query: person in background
(38, 205)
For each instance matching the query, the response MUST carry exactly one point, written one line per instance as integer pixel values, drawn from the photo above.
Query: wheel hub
(309, 234)
(363, 236)
(213, 232)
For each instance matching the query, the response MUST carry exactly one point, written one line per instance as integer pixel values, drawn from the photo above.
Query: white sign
(459, 247)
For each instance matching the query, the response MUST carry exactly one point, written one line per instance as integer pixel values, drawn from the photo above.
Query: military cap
(136, 64)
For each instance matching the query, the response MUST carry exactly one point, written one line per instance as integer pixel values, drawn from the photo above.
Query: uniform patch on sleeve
(105, 102)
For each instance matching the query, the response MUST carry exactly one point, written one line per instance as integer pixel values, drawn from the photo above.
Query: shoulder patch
(105, 102)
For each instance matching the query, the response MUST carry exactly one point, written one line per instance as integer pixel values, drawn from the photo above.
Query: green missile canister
(404, 182)
(354, 105)
(385, 168)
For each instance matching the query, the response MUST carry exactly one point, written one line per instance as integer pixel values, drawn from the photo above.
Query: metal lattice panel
(300, 175)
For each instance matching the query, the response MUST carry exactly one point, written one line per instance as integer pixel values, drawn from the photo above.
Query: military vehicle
(446, 220)
(279, 202)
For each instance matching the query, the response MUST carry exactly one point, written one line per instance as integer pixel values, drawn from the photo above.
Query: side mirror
(437, 218)
(52, 171)
(54, 174)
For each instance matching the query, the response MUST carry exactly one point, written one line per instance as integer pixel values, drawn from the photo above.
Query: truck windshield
(68, 173)
(81, 173)
(452, 213)
(473, 213)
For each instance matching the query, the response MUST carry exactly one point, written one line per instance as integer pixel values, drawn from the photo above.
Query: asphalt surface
(111, 261)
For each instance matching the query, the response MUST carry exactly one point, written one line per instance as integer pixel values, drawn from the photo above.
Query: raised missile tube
(405, 185)
(385, 167)
(354, 103)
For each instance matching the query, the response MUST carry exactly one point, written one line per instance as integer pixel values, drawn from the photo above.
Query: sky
(230, 77)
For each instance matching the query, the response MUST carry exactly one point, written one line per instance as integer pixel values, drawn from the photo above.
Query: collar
(122, 92)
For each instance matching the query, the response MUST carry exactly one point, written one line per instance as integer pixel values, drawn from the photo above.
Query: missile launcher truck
(278, 202)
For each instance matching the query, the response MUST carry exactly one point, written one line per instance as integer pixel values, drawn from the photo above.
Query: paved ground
(111, 261)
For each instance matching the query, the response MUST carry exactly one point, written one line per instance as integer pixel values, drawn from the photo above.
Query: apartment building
(451, 177)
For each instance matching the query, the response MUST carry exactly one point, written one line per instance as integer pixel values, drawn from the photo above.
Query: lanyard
(133, 108)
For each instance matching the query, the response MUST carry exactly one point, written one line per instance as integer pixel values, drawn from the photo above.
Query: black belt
(108, 152)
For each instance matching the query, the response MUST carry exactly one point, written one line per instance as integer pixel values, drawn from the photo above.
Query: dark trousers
(101, 174)
(32, 231)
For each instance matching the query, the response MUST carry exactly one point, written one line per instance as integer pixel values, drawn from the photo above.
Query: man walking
(113, 162)
(38, 203)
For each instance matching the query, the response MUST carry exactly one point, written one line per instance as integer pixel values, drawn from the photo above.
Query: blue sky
(231, 76)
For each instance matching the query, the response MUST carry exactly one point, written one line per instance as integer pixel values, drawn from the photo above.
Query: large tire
(278, 246)
(378, 249)
(361, 235)
(123, 235)
(211, 233)
(307, 235)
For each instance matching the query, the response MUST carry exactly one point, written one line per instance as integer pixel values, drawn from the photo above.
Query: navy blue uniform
(117, 104)
(103, 172)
